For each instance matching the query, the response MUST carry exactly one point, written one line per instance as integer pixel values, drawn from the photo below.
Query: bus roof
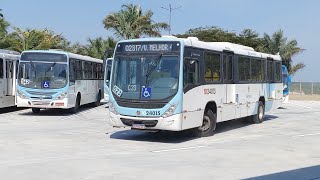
(7, 54)
(215, 46)
(69, 54)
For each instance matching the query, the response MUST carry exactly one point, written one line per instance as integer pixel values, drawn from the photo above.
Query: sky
(78, 20)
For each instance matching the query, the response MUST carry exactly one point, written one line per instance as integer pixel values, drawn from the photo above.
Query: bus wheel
(98, 102)
(258, 118)
(209, 124)
(76, 107)
(36, 110)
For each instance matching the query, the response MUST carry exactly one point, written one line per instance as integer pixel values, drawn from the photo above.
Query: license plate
(138, 126)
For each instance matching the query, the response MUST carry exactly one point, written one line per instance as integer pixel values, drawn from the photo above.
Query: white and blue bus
(8, 66)
(176, 84)
(107, 74)
(57, 79)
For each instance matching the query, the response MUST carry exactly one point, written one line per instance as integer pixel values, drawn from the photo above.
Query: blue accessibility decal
(146, 92)
(46, 84)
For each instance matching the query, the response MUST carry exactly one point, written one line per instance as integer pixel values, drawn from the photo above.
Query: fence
(305, 88)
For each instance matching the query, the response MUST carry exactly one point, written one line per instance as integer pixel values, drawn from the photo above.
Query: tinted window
(78, 70)
(244, 68)
(95, 70)
(212, 67)
(1, 68)
(190, 72)
(269, 70)
(228, 67)
(257, 70)
(277, 75)
(72, 70)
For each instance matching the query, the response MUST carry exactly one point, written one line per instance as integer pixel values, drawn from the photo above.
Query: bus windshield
(43, 71)
(156, 75)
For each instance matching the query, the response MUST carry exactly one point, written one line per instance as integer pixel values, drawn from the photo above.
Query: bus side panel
(195, 101)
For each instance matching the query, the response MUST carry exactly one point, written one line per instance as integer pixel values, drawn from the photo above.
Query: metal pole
(170, 19)
(170, 13)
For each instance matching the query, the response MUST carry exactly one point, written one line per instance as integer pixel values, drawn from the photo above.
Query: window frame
(2, 71)
(220, 81)
(239, 81)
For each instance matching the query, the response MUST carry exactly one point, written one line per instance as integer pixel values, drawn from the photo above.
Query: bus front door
(3, 82)
(10, 76)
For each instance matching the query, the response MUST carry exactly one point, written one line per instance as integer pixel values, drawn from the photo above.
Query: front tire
(209, 124)
(36, 110)
(76, 107)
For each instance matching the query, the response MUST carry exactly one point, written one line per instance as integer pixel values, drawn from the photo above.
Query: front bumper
(43, 103)
(172, 123)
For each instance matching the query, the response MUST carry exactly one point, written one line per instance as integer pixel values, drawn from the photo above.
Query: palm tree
(21, 40)
(130, 22)
(99, 47)
(278, 43)
(3, 31)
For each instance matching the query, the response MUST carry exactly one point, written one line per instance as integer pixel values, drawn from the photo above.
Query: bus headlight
(21, 94)
(112, 108)
(170, 110)
(61, 96)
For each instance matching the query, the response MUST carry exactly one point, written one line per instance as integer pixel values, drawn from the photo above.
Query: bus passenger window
(1, 68)
(244, 69)
(212, 67)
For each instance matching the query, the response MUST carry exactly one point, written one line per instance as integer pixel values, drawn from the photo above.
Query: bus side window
(190, 71)
(1, 68)
(72, 77)
(212, 67)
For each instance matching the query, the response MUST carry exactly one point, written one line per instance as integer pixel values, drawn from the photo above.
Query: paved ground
(57, 145)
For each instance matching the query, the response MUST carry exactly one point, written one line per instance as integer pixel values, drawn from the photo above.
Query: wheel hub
(206, 124)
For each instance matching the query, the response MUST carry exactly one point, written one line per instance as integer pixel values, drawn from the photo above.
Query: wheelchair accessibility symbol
(45, 84)
(146, 92)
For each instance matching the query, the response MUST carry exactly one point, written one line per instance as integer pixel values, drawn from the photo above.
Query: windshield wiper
(52, 65)
(153, 65)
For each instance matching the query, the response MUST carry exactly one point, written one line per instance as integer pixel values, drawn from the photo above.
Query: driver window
(190, 72)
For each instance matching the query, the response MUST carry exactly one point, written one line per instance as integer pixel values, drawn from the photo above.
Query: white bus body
(57, 79)
(8, 66)
(215, 81)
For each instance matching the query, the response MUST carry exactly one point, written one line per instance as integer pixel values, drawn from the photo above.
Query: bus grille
(143, 105)
(36, 93)
(147, 123)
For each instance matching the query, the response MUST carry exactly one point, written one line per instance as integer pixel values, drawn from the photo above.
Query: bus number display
(148, 47)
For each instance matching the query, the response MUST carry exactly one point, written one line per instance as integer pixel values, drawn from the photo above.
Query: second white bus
(8, 66)
(57, 79)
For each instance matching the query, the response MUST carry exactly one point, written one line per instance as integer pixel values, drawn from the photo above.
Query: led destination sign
(148, 47)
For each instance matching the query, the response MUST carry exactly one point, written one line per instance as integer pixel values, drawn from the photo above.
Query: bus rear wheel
(209, 124)
(36, 110)
(98, 102)
(259, 117)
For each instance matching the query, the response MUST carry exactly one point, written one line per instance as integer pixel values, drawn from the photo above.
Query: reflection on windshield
(129, 77)
(36, 74)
